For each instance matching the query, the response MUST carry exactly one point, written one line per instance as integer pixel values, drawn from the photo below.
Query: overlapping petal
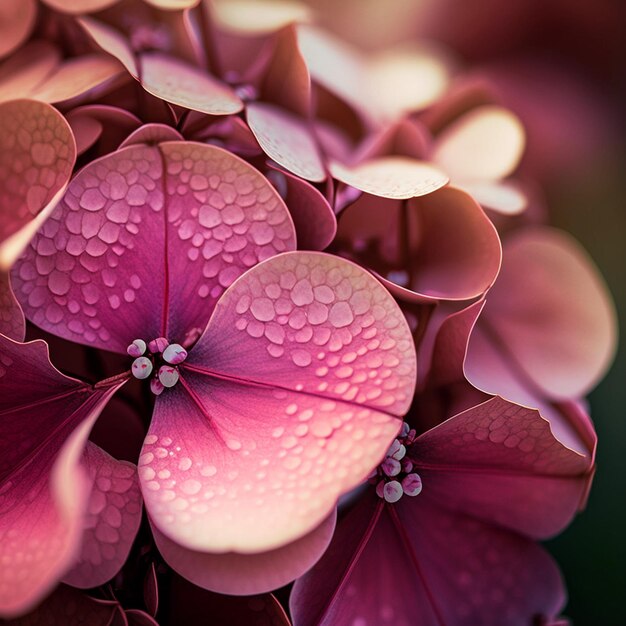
(323, 354)
(43, 490)
(133, 253)
(12, 322)
(37, 154)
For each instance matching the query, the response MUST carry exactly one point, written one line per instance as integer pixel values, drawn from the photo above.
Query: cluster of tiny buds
(145, 357)
(395, 477)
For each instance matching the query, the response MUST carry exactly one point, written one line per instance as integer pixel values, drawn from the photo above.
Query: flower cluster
(293, 300)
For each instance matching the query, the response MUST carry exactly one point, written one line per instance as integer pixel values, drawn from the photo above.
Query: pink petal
(173, 4)
(413, 563)
(451, 346)
(71, 607)
(22, 72)
(172, 267)
(501, 463)
(12, 322)
(485, 144)
(80, 6)
(78, 77)
(43, 492)
(179, 83)
(88, 122)
(111, 521)
(323, 354)
(286, 81)
(17, 19)
(504, 197)
(487, 366)
(152, 134)
(257, 17)
(286, 139)
(313, 217)
(391, 177)
(190, 605)
(441, 246)
(550, 315)
(246, 574)
(37, 154)
(406, 78)
(111, 41)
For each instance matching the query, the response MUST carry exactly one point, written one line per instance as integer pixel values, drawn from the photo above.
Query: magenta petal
(501, 463)
(71, 607)
(136, 617)
(427, 567)
(111, 520)
(43, 492)
(296, 387)
(152, 134)
(37, 154)
(286, 139)
(190, 605)
(246, 574)
(313, 217)
(12, 323)
(551, 314)
(149, 265)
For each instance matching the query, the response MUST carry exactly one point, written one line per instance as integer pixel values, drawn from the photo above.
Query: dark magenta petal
(287, 139)
(43, 491)
(414, 563)
(18, 19)
(136, 617)
(296, 387)
(111, 520)
(501, 463)
(22, 72)
(37, 154)
(313, 217)
(130, 254)
(246, 574)
(71, 607)
(190, 605)
(551, 312)
(12, 323)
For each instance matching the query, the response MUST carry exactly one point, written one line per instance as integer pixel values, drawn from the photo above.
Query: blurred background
(561, 66)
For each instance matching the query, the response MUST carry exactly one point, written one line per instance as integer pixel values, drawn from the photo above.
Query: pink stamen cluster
(395, 477)
(148, 356)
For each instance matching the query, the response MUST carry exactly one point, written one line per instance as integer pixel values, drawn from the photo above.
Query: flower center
(395, 477)
(158, 356)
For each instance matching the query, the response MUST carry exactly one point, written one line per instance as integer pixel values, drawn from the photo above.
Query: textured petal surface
(501, 463)
(313, 217)
(17, 19)
(132, 254)
(111, 520)
(179, 83)
(245, 574)
(189, 605)
(70, 607)
(43, 491)
(428, 567)
(323, 354)
(391, 177)
(439, 246)
(550, 315)
(37, 154)
(12, 323)
(484, 144)
(287, 140)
